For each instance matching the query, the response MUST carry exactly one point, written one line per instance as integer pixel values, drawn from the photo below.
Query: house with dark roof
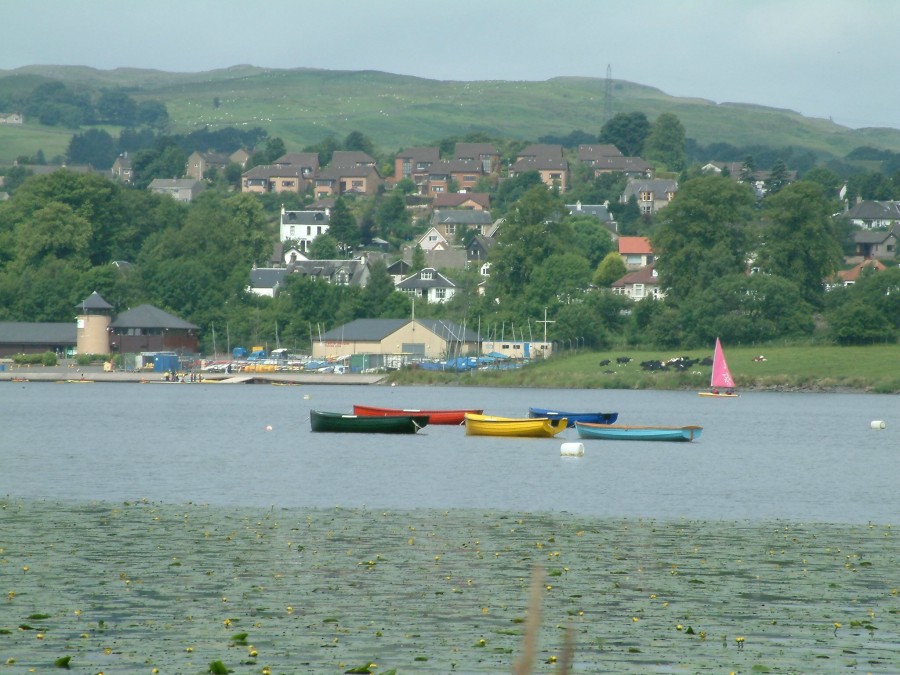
(149, 329)
(640, 284)
(199, 163)
(122, 169)
(652, 194)
(267, 281)
(303, 226)
(454, 223)
(179, 189)
(874, 215)
(429, 285)
(463, 174)
(414, 163)
(476, 201)
(486, 154)
(547, 160)
(267, 178)
(306, 162)
(337, 180)
(409, 338)
(598, 211)
(607, 159)
(877, 243)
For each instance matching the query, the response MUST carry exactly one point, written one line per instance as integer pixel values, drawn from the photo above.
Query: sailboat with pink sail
(721, 383)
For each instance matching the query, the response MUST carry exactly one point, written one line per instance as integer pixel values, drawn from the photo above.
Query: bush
(43, 358)
(88, 359)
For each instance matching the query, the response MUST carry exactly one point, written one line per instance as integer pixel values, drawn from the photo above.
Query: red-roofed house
(636, 252)
(851, 276)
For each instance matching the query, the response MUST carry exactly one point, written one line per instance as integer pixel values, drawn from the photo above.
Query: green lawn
(874, 368)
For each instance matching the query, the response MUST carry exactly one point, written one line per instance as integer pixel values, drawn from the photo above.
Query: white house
(428, 284)
(303, 226)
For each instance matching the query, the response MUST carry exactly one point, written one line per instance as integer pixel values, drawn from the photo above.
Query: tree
(627, 131)
(856, 323)
(324, 247)
(54, 231)
(378, 289)
(559, 278)
(610, 269)
(356, 140)
(666, 142)
(342, 226)
(94, 147)
(592, 239)
(800, 240)
(703, 235)
(418, 259)
(778, 178)
(152, 114)
(748, 170)
(393, 219)
(116, 107)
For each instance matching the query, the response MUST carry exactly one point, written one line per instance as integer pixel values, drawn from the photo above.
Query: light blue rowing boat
(618, 432)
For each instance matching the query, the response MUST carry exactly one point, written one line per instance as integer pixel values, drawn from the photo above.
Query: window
(292, 231)
(646, 196)
(427, 274)
(471, 178)
(646, 209)
(407, 168)
(638, 291)
(451, 228)
(357, 184)
(440, 293)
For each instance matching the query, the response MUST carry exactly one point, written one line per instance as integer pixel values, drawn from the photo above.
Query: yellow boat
(536, 427)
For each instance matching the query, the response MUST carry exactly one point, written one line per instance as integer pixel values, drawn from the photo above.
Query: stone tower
(93, 325)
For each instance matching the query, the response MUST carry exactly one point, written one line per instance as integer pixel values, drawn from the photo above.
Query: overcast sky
(822, 58)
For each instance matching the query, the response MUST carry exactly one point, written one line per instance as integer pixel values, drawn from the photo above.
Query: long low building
(20, 337)
(414, 338)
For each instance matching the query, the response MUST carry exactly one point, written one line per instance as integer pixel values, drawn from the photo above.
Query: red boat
(434, 416)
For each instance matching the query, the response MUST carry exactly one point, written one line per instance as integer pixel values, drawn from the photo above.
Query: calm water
(807, 457)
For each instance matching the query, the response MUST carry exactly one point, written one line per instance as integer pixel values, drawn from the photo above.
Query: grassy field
(303, 106)
(152, 588)
(796, 367)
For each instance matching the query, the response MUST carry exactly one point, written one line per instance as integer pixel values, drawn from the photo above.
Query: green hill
(303, 106)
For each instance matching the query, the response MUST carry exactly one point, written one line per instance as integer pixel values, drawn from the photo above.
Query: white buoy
(877, 424)
(572, 450)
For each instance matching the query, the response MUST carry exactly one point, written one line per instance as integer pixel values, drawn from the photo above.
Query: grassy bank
(130, 588)
(790, 367)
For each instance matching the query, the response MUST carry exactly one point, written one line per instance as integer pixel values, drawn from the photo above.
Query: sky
(832, 59)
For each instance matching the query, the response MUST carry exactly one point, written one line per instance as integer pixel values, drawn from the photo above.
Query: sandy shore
(126, 588)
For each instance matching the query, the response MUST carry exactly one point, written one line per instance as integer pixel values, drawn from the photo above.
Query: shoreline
(128, 586)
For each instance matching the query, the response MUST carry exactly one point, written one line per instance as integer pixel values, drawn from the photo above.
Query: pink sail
(721, 376)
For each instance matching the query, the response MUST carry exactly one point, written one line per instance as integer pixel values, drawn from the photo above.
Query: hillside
(303, 106)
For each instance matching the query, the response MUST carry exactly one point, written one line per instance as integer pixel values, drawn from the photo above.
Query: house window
(319, 230)
(638, 291)
(646, 209)
(288, 183)
(407, 168)
(646, 196)
(440, 293)
(470, 178)
(357, 184)
(342, 278)
(309, 230)
(292, 231)
(451, 228)
(427, 274)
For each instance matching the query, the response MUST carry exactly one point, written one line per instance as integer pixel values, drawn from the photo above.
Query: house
(307, 162)
(398, 270)
(404, 338)
(476, 201)
(463, 174)
(876, 243)
(652, 194)
(19, 337)
(200, 163)
(851, 276)
(547, 160)
(640, 284)
(149, 329)
(636, 252)
(454, 223)
(337, 180)
(477, 251)
(267, 281)
(874, 215)
(428, 284)
(267, 178)
(303, 227)
(485, 154)
(599, 211)
(180, 189)
(414, 163)
(11, 118)
(122, 169)
(351, 158)
(607, 159)
(431, 240)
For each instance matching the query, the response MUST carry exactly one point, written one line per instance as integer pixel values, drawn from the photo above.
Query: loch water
(766, 455)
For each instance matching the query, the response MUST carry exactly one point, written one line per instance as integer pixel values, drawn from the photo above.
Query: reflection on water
(809, 457)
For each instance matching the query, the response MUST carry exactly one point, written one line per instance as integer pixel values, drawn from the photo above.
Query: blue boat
(618, 432)
(590, 417)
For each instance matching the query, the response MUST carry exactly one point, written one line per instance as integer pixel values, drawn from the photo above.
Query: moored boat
(619, 432)
(340, 422)
(572, 417)
(434, 416)
(535, 427)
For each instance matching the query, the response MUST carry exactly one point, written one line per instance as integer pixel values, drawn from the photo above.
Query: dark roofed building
(19, 337)
(149, 329)
(418, 338)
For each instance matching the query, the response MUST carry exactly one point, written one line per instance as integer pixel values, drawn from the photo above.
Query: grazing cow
(623, 359)
(604, 362)
(707, 361)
